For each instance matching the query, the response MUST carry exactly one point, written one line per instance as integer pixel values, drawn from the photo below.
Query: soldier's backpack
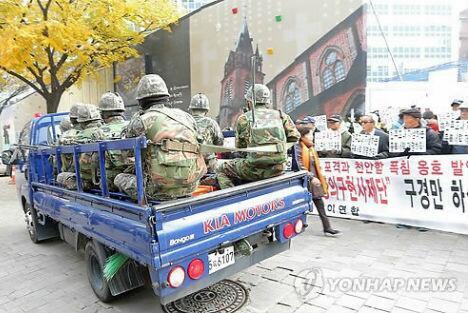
(177, 163)
(268, 129)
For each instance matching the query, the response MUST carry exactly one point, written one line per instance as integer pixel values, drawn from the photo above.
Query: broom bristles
(113, 265)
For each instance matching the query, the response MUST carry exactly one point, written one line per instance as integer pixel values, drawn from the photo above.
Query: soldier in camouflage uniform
(90, 118)
(271, 127)
(112, 108)
(66, 177)
(208, 127)
(172, 163)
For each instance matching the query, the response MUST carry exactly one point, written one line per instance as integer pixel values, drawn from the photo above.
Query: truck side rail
(135, 144)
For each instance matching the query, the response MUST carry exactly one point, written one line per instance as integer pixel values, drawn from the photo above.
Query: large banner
(209, 51)
(426, 191)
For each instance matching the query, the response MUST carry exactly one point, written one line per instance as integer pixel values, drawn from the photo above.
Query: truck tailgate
(197, 225)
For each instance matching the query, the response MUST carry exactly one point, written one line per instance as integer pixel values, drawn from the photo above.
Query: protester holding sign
(334, 124)
(412, 120)
(461, 148)
(306, 158)
(456, 105)
(368, 128)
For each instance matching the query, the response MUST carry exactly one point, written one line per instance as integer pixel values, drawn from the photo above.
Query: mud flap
(128, 278)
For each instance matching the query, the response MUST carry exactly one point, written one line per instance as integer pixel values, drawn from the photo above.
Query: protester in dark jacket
(412, 119)
(334, 123)
(368, 128)
(459, 149)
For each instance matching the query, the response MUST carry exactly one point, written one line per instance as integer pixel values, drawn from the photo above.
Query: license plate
(218, 261)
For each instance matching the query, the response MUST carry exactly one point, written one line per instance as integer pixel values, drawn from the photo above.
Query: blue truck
(178, 246)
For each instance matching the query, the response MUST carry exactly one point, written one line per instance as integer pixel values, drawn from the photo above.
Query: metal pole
(254, 70)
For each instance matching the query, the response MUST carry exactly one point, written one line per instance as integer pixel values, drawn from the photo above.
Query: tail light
(298, 226)
(196, 269)
(176, 277)
(288, 230)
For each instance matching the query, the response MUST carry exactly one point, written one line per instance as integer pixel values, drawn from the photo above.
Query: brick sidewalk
(51, 277)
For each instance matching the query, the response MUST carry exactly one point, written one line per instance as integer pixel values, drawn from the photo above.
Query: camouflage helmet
(111, 101)
(151, 85)
(199, 102)
(74, 110)
(65, 125)
(262, 94)
(88, 113)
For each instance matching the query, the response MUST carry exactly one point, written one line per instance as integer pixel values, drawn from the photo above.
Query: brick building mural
(329, 77)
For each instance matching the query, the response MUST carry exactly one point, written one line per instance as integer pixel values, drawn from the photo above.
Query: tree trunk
(53, 102)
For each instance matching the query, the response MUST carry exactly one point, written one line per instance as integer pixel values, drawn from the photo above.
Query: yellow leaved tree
(50, 45)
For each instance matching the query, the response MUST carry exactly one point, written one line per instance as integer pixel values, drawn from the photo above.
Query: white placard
(457, 134)
(414, 139)
(328, 141)
(365, 145)
(321, 122)
(389, 116)
(446, 120)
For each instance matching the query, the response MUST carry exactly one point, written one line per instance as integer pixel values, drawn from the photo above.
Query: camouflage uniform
(208, 127)
(112, 107)
(89, 162)
(172, 163)
(66, 177)
(271, 127)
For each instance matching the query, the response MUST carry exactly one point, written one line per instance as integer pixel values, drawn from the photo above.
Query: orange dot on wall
(235, 10)
(270, 51)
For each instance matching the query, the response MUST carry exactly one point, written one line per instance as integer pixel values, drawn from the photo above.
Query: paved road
(51, 277)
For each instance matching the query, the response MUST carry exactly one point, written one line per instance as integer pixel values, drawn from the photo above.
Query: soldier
(68, 137)
(66, 177)
(208, 127)
(270, 127)
(173, 164)
(112, 108)
(90, 118)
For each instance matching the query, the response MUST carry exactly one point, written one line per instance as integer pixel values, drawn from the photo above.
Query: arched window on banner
(333, 69)
(292, 97)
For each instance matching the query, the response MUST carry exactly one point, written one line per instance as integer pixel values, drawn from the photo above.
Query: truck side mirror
(7, 157)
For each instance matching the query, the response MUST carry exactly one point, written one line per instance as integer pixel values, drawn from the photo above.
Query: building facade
(420, 34)
(192, 5)
(329, 77)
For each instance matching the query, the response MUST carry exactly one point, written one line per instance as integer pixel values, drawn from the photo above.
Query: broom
(113, 265)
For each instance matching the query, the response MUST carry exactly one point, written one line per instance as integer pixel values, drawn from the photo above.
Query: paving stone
(400, 310)
(340, 309)
(411, 304)
(380, 303)
(443, 306)
(350, 302)
(307, 308)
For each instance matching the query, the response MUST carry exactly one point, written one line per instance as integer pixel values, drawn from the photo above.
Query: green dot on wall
(278, 18)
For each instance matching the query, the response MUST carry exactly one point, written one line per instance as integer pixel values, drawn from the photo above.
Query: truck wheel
(95, 257)
(30, 219)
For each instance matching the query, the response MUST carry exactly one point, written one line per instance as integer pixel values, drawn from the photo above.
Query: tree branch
(25, 80)
(39, 79)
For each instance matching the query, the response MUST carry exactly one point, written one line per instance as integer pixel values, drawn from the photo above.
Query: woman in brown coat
(306, 158)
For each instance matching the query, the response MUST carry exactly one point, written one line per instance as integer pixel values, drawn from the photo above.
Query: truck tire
(95, 257)
(31, 222)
